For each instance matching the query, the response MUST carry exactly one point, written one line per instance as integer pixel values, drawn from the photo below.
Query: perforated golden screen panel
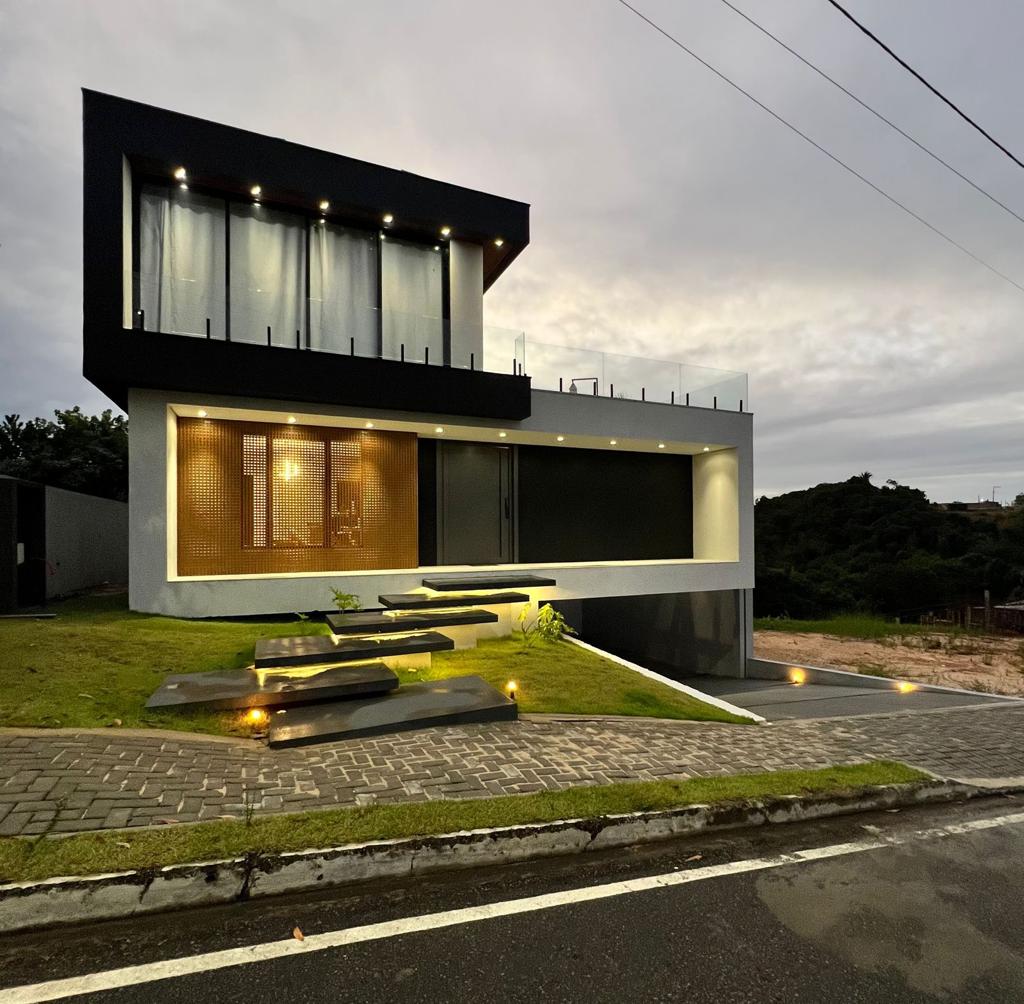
(255, 497)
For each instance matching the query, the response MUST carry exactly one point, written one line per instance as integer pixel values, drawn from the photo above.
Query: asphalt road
(891, 907)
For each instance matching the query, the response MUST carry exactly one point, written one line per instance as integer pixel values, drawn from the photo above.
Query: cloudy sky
(670, 217)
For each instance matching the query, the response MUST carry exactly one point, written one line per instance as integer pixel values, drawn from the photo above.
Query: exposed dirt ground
(991, 664)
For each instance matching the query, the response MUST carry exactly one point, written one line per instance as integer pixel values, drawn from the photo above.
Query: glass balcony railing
(273, 317)
(610, 374)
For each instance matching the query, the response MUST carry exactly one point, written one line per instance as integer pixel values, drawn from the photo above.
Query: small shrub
(345, 601)
(549, 625)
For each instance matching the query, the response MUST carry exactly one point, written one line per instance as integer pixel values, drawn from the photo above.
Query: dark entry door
(475, 510)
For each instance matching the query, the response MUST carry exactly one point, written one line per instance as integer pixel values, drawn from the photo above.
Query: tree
(83, 453)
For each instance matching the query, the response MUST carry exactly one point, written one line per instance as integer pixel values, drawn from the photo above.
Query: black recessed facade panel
(600, 505)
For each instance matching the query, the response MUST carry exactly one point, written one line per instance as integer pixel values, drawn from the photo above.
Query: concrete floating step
(462, 700)
(422, 601)
(377, 621)
(246, 688)
(496, 580)
(313, 650)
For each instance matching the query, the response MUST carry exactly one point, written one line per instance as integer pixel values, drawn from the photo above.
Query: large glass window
(411, 287)
(343, 290)
(268, 275)
(181, 261)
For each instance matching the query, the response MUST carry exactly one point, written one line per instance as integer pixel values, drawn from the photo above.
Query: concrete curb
(74, 900)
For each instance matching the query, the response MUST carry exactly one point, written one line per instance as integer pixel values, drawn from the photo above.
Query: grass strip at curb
(24, 859)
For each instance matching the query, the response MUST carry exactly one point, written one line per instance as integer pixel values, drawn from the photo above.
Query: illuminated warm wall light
(369, 425)
(291, 419)
(439, 430)
(797, 677)
(183, 187)
(498, 242)
(707, 449)
(502, 435)
(255, 191)
(661, 446)
(613, 442)
(201, 413)
(180, 174)
(560, 439)
(324, 205)
(388, 219)
(289, 470)
(446, 231)
(905, 687)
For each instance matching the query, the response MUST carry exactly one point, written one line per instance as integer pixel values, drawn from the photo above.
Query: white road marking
(174, 968)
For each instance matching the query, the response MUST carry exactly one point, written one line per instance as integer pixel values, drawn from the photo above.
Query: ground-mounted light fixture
(437, 247)
(498, 241)
(388, 219)
(183, 186)
(613, 442)
(446, 231)
(560, 439)
(256, 716)
(511, 689)
(661, 446)
(906, 687)
(797, 677)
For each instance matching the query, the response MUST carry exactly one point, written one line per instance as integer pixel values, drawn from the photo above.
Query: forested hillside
(854, 546)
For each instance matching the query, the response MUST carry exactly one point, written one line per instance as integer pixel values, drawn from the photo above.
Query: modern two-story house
(315, 403)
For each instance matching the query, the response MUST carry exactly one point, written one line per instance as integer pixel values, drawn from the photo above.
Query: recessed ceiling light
(502, 435)
(201, 413)
(560, 439)
(707, 449)
(498, 241)
(661, 446)
(613, 442)
(291, 419)
(180, 174)
(324, 205)
(445, 231)
(369, 425)
(388, 219)
(439, 430)
(255, 191)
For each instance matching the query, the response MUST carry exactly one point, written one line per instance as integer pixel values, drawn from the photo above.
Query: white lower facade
(720, 443)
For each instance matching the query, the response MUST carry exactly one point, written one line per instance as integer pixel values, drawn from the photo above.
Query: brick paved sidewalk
(63, 781)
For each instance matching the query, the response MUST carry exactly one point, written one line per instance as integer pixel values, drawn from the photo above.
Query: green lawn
(31, 858)
(846, 626)
(95, 664)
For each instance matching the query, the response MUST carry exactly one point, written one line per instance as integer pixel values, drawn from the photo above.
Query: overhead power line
(817, 146)
(942, 97)
(874, 111)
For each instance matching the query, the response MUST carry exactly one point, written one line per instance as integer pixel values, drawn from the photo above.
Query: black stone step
(462, 700)
(421, 601)
(246, 688)
(496, 580)
(376, 621)
(315, 650)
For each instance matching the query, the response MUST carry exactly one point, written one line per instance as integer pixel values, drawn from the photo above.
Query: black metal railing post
(142, 320)
(559, 385)
(672, 399)
(715, 399)
(426, 355)
(270, 340)
(472, 361)
(352, 345)
(643, 393)
(401, 352)
(207, 327)
(687, 399)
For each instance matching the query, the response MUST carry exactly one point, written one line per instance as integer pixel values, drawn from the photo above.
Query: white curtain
(181, 261)
(411, 298)
(342, 289)
(268, 275)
